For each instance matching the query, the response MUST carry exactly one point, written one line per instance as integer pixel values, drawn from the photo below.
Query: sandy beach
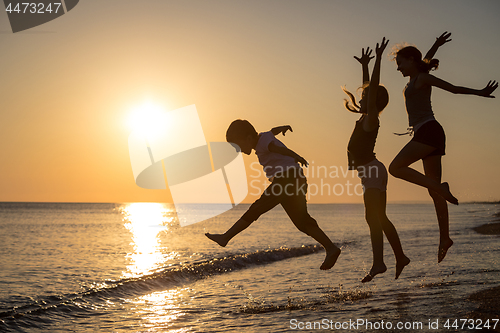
(489, 229)
(488, 300)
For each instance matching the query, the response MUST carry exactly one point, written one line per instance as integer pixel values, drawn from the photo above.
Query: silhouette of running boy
(288, 185)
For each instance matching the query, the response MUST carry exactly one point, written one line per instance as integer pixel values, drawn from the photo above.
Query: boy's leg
(223, 239)
(392, 236)
(267, 201)
(295, 205)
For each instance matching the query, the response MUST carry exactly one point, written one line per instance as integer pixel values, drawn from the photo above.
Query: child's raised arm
(440, 41)
(372, 121)
(281, 129)
(364, 60)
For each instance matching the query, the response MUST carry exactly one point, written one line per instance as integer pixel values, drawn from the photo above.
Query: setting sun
(147, 118)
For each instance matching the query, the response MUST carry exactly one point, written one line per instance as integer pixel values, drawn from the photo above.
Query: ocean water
(131, 268)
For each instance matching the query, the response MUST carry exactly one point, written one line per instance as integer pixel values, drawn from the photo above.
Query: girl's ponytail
(432, 64)
(351, 105)
(381, 101)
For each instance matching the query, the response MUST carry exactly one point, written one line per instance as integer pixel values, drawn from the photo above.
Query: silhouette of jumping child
(372, 172)
(288, 186)
(428, 142)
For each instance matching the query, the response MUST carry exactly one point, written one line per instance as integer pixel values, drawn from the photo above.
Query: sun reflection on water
(161, 309)
(145, 221)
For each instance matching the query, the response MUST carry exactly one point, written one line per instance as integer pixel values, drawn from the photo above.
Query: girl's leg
(371, 199)
(412, 152)
(392, 236)
(433, 169)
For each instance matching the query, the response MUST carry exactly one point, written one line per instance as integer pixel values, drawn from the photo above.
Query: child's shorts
(432, 134)
(373, 175)
(288, 189)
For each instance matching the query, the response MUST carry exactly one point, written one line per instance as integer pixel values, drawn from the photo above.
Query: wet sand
(489, 229)
(488, 300)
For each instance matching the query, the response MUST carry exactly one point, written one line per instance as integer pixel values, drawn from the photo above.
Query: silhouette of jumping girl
(372, 172)
(428, 142)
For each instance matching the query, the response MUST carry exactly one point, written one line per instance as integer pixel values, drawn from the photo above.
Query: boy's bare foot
(400, 265)
(218, 238)
(331, 259)
(443, 248)
(374, 271)
(445, 193)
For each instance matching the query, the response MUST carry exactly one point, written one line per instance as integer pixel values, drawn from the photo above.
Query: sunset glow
(271, 63)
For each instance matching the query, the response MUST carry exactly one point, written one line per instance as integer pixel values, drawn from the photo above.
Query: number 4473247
(471, 324)
(33, 8)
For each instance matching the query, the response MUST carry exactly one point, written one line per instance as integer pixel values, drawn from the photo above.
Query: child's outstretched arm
(364, 60)
(372, 120)
(440, 41)
(287, 152)
(281, 129)
(437, 82)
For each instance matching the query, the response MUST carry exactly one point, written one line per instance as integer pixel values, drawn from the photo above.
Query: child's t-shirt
(272, 163)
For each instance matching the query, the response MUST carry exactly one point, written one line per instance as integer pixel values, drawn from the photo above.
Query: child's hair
(239, 130)
(381, 102)
(407, 52)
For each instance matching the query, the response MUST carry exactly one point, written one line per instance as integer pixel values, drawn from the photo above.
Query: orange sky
(67, 87)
